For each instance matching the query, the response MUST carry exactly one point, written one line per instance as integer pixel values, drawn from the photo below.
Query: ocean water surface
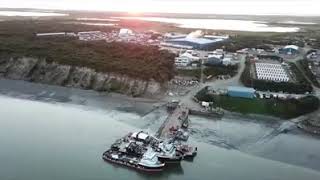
(218, 24)
(50, 132)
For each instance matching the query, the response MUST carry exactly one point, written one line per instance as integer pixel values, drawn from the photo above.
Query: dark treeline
(304, 64)
(260, 42)
(145, 62)
(28, 28)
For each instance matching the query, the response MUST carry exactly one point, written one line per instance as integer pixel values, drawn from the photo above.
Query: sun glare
(135, 8)
(134, 13)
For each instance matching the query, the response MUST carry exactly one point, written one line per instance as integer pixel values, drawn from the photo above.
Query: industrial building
(225, 37)
(186, 59)
(218, 53)
(51, 34)
(219, 57)
(164, 44)
(213, 61)
(195, 43)
(92, 35)
(289, 50)
(56, 34)
(242, 92)
(174, 35)
(227, 60)
(215, 57)
(125, 33)
(271, 72)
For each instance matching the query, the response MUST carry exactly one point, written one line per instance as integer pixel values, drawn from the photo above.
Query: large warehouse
(243, 92)
(195, 43)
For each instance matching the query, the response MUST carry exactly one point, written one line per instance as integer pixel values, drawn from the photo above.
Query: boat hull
(170, 159)
(190, 156)
(132, 165)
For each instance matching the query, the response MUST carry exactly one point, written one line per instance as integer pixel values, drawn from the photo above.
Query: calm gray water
(218, 24)
(42, 138)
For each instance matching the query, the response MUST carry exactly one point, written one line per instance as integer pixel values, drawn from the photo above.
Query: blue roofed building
(289, 50)
(195, 43)
(242, 92)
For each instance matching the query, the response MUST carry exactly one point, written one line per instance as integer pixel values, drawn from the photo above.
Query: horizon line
(191, 13)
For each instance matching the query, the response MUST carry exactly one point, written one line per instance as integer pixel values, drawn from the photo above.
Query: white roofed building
(271, 72)
(140, 135)
(291, 47)
(289, 50)
(51, 34)
(186, 59)
(125, 32)
(174, 35)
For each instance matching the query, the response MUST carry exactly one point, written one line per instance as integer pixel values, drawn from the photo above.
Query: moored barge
(135, 157)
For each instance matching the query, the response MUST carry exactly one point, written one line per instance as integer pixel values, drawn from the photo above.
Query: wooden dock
(174, 120)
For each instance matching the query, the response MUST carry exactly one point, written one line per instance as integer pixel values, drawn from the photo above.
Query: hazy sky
(259, 7)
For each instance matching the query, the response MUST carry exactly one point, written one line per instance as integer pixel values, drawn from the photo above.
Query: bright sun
(134, 13)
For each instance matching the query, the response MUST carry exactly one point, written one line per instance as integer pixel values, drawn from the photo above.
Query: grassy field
(272, 107)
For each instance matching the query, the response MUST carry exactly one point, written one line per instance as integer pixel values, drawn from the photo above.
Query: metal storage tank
(243, 92)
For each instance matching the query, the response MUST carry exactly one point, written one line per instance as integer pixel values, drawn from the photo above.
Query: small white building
(88, 32)
(227, 61)
(125, 32)
(186, 59)
(218, 53)
(205, 104)
(51, 34)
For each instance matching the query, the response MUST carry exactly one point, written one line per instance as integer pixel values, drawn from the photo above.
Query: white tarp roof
(188, 55)
(125, 32)
(141, 135)
(291, 47)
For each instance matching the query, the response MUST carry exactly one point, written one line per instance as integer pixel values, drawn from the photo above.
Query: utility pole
(201, 72)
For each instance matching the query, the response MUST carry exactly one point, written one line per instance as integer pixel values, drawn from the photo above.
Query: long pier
(174, 120)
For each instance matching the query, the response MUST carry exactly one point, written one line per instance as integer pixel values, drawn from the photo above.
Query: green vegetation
(253, 40)
(273, 107)
(300, 86)
(304, 64)
(214, 71)
(195, 73)
(17, 38)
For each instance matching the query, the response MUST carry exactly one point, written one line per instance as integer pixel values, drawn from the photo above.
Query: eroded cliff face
(40, 71)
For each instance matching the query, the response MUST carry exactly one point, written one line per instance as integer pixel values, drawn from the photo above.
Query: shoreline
(209, 131)
(141, 106)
